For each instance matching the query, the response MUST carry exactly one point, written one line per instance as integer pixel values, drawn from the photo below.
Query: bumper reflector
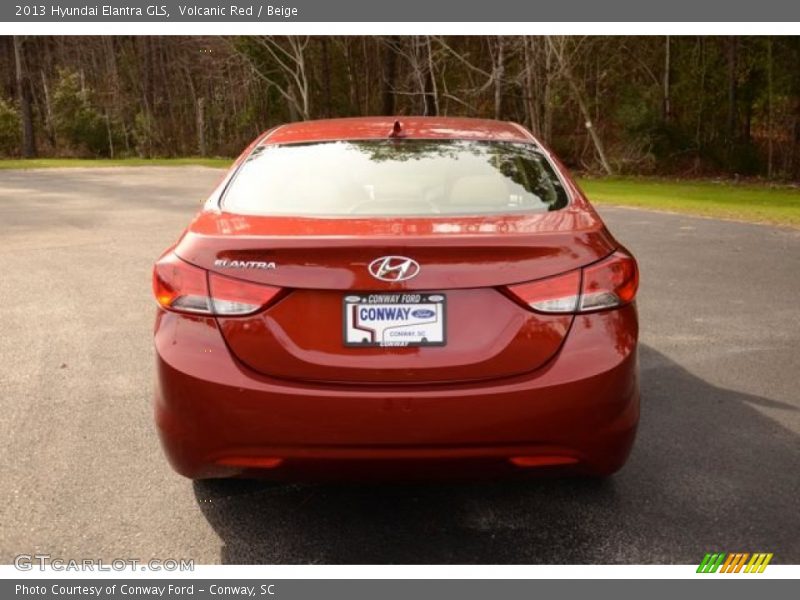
(542, 461)
(251, 462)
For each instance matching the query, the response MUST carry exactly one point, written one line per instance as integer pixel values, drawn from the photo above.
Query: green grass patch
(58, 163)
(746, 202)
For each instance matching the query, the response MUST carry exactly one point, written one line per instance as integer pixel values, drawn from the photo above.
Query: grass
(744, 202)
(55, 163)
(761, 203)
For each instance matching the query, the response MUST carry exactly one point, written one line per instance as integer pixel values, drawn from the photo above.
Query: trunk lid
(469, 261)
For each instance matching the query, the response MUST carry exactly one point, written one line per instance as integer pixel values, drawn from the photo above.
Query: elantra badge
(394, 268)
(224, 263)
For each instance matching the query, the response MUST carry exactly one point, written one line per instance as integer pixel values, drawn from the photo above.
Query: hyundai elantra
(396, 297)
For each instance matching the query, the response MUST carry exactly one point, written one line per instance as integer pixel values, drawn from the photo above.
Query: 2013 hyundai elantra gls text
(422, 296)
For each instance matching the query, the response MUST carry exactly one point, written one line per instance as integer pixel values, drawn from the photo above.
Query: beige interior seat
(479, 190)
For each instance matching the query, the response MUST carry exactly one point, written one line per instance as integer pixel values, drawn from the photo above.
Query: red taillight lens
(610, 283)
(553, 295)
(181, 287)
(235, 297)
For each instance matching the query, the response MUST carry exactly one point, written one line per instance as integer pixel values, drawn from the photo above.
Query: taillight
(610, 283)
(553, 295)
(181, 287)
(232, 297)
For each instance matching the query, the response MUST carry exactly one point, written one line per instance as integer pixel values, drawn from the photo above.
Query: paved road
(716, 465)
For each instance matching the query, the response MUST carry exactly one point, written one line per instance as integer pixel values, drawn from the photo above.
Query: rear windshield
(394, 178)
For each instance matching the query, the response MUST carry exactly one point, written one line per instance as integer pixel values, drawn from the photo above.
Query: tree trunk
(48, 112)
(355, 104)
(201, 126)
(732, 59)
(547, 104)
(770, 115)
(431, 92)
(598, 144)
(24, 93)
(110, 135)
(367, 79)
(667, 78)
(389, 75)
(582, 106)
(699, 129)
(326, 77)
(499, 78)
(530, 87)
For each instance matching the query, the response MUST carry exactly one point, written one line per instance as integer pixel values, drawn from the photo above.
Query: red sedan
(396, 298)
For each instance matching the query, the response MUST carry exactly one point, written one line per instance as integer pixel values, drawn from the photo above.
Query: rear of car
(393, 299)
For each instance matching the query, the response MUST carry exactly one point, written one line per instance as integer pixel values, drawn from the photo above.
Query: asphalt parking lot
(716, 465)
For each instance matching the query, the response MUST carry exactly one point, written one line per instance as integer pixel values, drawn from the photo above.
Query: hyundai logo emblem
(394, 268)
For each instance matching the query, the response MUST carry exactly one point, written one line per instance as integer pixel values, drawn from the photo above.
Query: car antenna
(397, 130)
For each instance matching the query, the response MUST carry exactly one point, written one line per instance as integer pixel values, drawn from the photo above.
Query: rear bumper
(217, 418)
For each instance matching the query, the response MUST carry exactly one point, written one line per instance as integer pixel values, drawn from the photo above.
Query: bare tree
(530, 87)
(770, 110)
(389, 50)
(288, 55)
(417, 53)
(24, 94)
(536, 78)
(498, 74)
(667, 78)
(547, 103)
(558, 44)
(467, 95)
(599, 100)
(432, 95)
(733, 44)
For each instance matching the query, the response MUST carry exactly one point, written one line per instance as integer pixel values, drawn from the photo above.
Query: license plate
(390, 319)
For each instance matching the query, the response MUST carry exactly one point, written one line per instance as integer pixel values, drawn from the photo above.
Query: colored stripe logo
(735, 562)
